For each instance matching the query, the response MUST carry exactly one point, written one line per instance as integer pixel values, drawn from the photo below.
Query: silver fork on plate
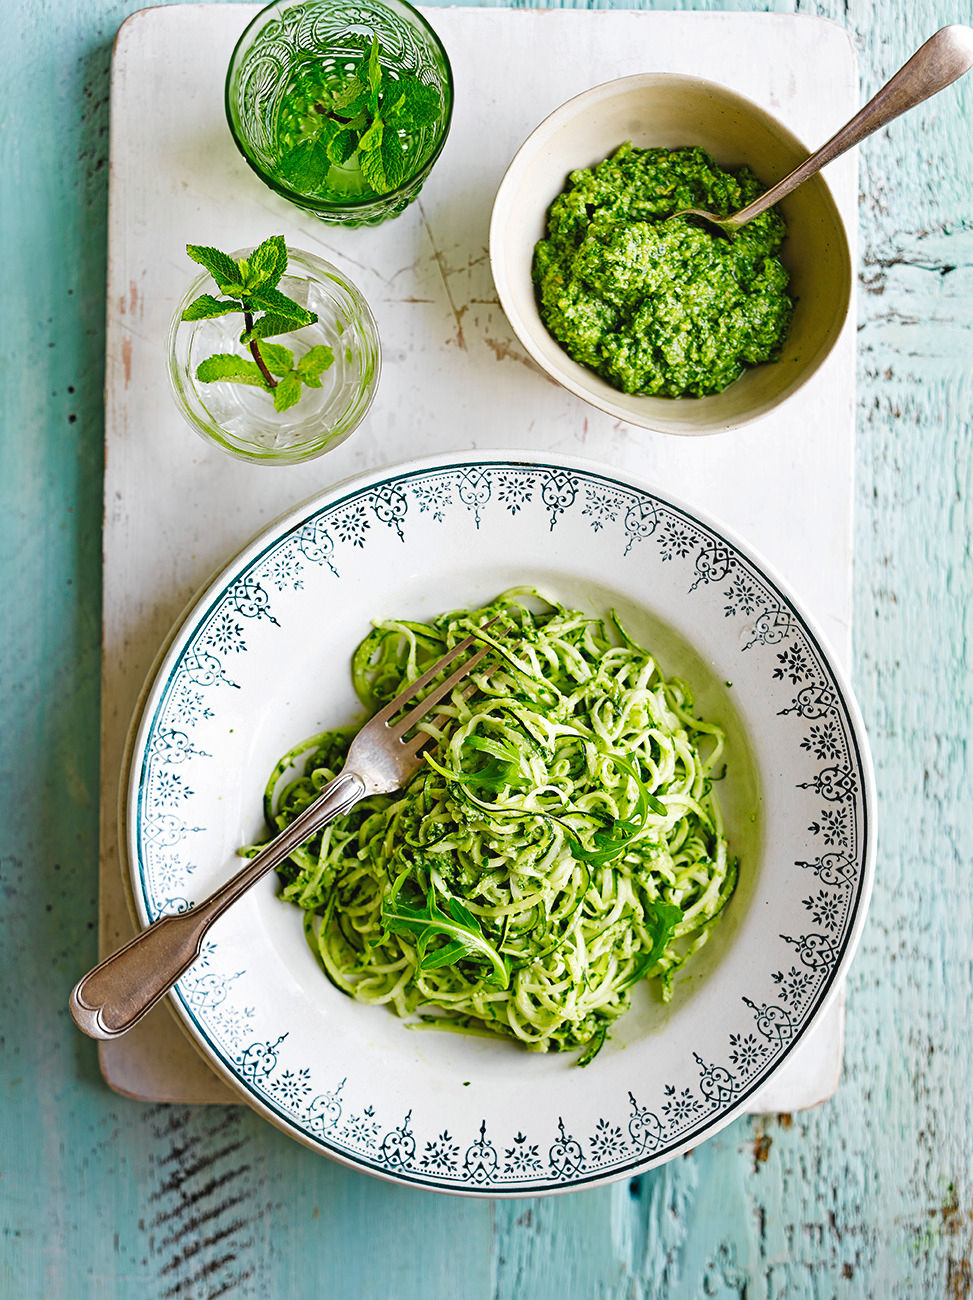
(116, 994)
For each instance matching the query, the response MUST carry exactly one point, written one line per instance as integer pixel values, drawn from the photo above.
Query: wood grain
(162, 539)
(868, 1196)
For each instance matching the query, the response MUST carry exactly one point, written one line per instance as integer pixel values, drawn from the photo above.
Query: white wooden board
(454, 375)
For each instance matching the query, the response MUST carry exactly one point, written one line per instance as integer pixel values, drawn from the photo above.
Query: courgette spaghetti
(561, 843)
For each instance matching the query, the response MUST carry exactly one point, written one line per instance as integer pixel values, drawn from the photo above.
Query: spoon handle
(934, 66)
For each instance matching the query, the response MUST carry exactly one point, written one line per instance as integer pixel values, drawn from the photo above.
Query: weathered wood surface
(454, 373)
(871, 1194)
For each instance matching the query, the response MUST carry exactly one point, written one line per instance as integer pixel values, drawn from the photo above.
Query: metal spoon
(933, 67)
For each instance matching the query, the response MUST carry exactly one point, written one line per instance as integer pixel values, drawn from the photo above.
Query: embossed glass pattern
(287, 44)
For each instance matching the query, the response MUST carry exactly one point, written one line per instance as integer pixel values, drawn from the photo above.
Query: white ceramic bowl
(262, 661)
(663, 110)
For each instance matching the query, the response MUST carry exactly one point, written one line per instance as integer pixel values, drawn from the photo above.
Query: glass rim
(310, 202)
(209, 428)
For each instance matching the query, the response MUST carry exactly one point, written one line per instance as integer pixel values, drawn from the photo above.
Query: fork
(118, 992)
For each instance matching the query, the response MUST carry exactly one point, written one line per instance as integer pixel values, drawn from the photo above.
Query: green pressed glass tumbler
(342, 108)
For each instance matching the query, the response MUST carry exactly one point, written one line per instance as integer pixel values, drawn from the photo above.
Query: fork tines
(438, 693)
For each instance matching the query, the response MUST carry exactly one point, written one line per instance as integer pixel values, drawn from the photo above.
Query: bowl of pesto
(654, 318)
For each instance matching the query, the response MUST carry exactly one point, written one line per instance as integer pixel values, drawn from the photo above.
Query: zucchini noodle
(561, 843)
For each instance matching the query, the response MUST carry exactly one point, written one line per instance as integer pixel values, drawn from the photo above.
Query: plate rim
(194, 610)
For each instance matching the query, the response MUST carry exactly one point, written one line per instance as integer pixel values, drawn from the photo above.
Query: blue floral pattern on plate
(198, 694)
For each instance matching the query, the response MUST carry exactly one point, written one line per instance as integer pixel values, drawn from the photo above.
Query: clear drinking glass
(242, 419)
(287, 78)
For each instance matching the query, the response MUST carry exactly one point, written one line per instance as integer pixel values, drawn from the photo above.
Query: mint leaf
(221, 266)
(374, 65)
(370, 156)
(287, 392)
(344, 100)
(265, 327)
(381, 157)
(342, 145)
(373, 171)
(305, 166)
(372, 138)
(425, 103)
(371, 114)
(255, 280)
(278, 359)
(267, 263)
(206, 306)
(393, 158)
(272, 300)
(419, 103)
(313, 363)
(232, 369)
(393, 101)
(243, 271)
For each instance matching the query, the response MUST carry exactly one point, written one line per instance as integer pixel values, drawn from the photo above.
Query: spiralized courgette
(561, 844)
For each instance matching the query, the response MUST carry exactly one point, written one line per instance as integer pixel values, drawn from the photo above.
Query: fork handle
(117, 993)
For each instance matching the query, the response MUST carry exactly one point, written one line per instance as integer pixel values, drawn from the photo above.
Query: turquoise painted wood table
(870, 1194)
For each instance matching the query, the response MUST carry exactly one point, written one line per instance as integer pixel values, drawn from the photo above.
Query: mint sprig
(371, 115)
(251, 287)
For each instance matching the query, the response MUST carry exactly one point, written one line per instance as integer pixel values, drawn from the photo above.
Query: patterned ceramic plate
(262, 662)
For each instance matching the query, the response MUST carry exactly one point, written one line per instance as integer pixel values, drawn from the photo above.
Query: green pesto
(665, 308)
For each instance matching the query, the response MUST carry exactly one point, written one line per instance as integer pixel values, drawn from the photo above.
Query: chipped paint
(871, 1194)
